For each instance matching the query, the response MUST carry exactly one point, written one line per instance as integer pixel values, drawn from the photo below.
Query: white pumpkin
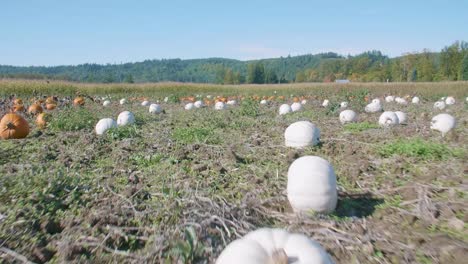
(373, 107)
(268, 245)
(189, 106)
(304, 101)
(296, 107)
(166, 99)
(344, 104)
(388, 118)
(263, 102)
(415, 100)
(123, 101)
(450, 100)
(401, 117)
(198, 104)
(312, 185)
(104, 124)
(400, 100)
(145, 103)
(389, 98)
(325, 103)
(348, 116)
(231, 102)
(443, 123)
(285, 109)
(208, 96)
(125, 118)
(106, 103)
(301, 134)
(220, 106)
(439, 105)
(155, 109)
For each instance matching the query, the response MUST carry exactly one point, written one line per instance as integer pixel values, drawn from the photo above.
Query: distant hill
(449, 64)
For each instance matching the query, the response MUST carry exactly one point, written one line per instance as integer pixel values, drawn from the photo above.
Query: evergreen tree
(464, 68)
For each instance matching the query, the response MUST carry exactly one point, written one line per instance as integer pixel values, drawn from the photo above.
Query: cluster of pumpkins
(441, 122)
(14, 126)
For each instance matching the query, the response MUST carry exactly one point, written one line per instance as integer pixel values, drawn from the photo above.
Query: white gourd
(220, 106)
(325, 103)
(106, 103)
(312, 185)
(374, 106)
(348, 116)
(231, 102)
(285, 109)
(263, 102)
(388, 118)
(344, 104)
(301, 134)
(401, 117)
(439, 105)
(189, 106)
(275, 246)
(125, 118)
(450, 100)
(415, 100)
(198, 104)
(304, 101)
(400, 100)
(389, 98)
(123, 101)
(296, 107)
(104, 124)
(155, 109)
(145, 103)
(443, 123)
(166, 99)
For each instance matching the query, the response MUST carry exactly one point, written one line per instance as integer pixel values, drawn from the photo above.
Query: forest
(449, 64)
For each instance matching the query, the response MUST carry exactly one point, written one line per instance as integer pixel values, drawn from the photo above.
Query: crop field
(180, 185)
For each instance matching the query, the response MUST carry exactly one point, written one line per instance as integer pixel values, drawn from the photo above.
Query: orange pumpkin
(18, 108)
(50, 100)
(42, 119)
(18, 101)
(50, 106)
(79, 101)
(35, 109)
(295, 99)
(13, 126)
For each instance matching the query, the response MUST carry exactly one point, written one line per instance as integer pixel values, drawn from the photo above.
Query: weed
(359, 127)
(188, 250)
(418, 148)
(249, 107)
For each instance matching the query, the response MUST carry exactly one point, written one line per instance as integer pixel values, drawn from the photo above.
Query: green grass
(119, 133)
(419, 148)
(359, 127)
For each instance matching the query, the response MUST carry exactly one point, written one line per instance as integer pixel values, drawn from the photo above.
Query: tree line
(450, 64)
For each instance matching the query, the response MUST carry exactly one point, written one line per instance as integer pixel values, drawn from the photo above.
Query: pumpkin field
(190, 168)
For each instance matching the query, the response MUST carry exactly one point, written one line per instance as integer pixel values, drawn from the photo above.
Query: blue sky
(62, 32)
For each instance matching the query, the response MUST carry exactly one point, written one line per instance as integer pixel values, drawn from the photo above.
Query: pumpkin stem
(10, 126)
(278, 257)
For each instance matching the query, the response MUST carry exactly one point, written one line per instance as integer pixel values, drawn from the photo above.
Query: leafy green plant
(249, 107)
(188, 250)
(418, 148)
(359, 127)
(119, 133)
(72, 119)
(189, 135)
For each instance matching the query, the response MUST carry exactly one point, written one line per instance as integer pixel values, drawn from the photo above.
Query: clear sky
(66, 32)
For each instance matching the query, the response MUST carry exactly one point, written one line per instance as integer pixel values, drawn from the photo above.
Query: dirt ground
(178, 186)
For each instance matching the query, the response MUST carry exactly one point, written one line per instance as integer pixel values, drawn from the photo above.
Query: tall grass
(430, 91)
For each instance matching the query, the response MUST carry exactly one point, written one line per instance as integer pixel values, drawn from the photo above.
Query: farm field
(179, 186)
